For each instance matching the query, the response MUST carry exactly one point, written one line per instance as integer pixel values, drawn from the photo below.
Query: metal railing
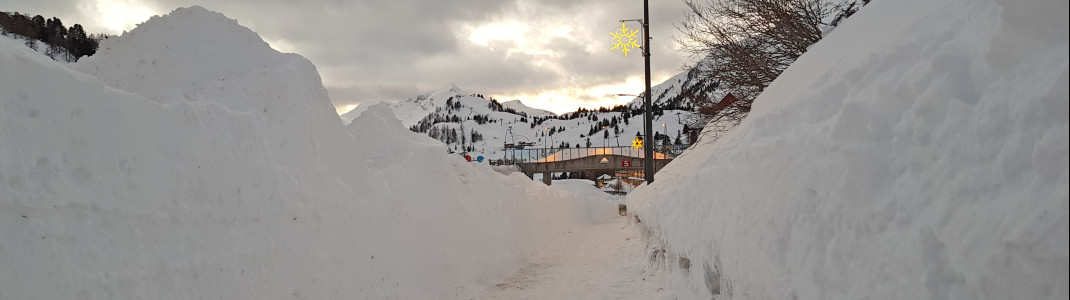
(544, 155)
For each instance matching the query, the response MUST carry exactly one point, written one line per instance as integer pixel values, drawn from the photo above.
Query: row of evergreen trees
(453, 136)
(434, 118)
(626, 113)
(73, 42)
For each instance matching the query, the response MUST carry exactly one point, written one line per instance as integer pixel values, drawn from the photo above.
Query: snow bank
(190, 50)
(188, 160)
(918, 152)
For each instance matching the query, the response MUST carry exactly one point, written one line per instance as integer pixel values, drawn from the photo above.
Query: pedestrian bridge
(590, 161)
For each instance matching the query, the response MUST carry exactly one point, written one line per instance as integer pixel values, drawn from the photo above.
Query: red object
(626, 163)
(728, 100)
(468, 158)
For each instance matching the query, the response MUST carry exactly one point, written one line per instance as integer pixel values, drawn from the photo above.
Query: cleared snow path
(600, 261)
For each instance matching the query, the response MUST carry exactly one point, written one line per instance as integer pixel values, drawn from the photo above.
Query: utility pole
(648, 165)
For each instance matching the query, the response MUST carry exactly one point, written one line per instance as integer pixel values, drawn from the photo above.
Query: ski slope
(507, 127)
(495, 134)
(919, 151)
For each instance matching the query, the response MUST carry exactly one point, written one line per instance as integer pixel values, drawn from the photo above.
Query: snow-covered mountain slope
(919, 151)
(450, 113)
(451, 109)
(679, 91)
(531, 112)
(58, 54)
(201, 164)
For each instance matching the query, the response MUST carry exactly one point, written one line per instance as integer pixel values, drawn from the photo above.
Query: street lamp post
(508, 147)
(648, 165)
(603, 139)
(545, 139)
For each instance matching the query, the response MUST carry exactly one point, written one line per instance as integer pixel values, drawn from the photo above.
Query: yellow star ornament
(637, 143)
(624, 40)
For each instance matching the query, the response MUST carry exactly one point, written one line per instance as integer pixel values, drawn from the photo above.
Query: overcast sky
(551, 54)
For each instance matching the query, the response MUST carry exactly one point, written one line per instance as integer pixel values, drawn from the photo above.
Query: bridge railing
(671, 151)
(542, 155)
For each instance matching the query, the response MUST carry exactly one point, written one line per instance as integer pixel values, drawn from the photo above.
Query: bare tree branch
(745, 45)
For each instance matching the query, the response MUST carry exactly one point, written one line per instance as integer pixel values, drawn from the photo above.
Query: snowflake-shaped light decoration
(624, 40)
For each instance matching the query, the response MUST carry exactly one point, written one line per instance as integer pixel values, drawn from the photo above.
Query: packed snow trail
(600, 261)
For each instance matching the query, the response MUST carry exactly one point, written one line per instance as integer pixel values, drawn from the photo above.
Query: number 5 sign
(626, 163)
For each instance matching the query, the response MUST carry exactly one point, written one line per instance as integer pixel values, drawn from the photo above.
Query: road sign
(626, 163)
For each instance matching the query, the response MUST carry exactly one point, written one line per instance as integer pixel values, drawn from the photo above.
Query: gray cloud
(69, 11)
(393, 49)
(360, 91)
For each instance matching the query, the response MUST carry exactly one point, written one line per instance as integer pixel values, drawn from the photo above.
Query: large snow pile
(194, 162)
(918, 152)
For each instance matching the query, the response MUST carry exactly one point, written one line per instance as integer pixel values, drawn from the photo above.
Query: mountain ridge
(473, 124)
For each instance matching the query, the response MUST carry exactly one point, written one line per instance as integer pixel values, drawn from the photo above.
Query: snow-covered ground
(188, 160)
(606, 260)
(920, 151)
(601, 261)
